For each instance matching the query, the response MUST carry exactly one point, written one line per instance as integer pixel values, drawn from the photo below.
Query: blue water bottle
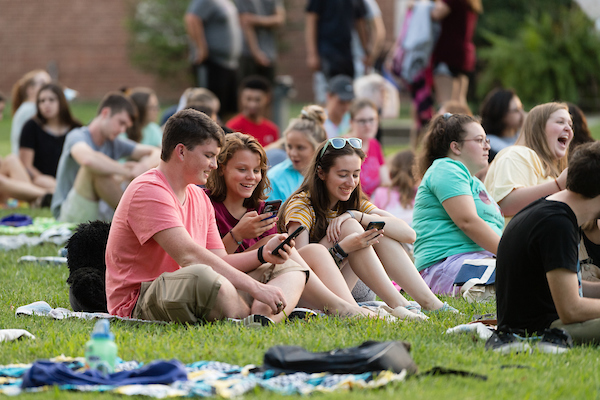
(101, 349)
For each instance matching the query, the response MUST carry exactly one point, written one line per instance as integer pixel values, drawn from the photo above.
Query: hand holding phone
(287, 240)
(271, 207)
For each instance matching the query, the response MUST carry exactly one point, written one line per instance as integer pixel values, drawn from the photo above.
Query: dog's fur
(87, 266)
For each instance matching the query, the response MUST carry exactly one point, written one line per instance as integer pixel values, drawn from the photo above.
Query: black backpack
(369, 356)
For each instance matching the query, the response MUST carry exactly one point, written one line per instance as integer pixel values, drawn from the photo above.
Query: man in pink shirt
(165, 259)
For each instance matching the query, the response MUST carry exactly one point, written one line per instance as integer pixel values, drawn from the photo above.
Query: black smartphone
(375, 225)
(271, 207)
(287, 240)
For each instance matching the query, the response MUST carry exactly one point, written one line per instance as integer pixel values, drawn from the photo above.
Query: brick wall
(84, 44)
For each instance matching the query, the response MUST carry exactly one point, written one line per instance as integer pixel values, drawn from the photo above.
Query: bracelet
(336, 257)
(556, 181)
(259, 253)
(239, 242)
(351, 214)
(340, 251)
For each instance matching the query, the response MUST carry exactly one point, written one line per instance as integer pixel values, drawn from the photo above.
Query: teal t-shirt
(437, 235)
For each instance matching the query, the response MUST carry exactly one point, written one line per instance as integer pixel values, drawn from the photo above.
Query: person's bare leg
(460, 87)
(320, 261)
(20, 190)
(399, 267)
(443, 88)
(13, 168)
(368, 268)
(292, 285)
(229, 304)
(45, 181)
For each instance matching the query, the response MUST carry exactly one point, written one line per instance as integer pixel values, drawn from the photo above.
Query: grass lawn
(571, 375)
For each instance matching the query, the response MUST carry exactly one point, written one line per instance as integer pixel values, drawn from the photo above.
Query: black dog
(87, 266)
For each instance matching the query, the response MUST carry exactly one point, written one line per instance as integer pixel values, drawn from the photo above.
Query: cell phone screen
(375, 225)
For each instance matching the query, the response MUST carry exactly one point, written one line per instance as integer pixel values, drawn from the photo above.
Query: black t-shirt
(334, 33)
(542, 237)
(593, 250)
(46, 146)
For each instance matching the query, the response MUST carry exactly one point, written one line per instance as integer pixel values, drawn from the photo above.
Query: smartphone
(271, 207)
(287, 240)
(375, 225)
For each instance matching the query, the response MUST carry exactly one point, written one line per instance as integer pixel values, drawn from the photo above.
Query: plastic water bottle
(101, 349)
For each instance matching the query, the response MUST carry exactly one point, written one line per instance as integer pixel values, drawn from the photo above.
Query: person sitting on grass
(254, 97)
(15, 183)
(331, 205)
(236, 189)
(538, 279)
(165, 259)
(454, 216)
(89, 170)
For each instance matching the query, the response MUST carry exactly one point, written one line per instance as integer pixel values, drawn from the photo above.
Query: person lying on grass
(538, 277)
(333, 208)
(165, 259)
(236, 189)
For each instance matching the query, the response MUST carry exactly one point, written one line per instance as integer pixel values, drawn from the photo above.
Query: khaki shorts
(267, 272)
(187, 295)
(77, 209)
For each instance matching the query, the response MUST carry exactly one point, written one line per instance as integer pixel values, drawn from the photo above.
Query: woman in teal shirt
(454, 216)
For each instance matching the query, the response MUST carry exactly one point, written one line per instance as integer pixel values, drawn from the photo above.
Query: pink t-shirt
(147, 207)
(369, 172)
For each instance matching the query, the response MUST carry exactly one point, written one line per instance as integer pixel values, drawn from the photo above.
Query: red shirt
(265, 131)
(455, 46)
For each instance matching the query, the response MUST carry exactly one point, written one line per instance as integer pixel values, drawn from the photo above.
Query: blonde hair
(19, 89)
(533, 135)
(402, 178)
(310, 124)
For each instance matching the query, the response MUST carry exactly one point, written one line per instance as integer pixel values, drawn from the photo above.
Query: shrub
(548, 59)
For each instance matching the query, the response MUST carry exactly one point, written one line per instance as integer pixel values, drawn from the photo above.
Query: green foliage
(548, 59)
(158, 41)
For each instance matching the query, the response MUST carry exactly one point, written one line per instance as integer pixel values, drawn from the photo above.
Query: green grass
(572, 375)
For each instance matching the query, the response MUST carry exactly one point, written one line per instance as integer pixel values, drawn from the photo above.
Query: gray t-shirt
(68, 167)
(222, 31)
(265, 36)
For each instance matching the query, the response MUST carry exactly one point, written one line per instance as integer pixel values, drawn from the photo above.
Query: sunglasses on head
(339, 143)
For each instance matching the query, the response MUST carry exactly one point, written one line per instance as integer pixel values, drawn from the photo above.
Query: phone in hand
(287, 240)
(375, 225)
(271, 207)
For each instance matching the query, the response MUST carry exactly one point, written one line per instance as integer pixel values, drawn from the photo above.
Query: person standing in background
(213, 28)
(454, 53)
(259, 20)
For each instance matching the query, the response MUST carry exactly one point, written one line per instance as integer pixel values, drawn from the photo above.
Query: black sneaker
(301, 313)
(506, 342)
(555, 341)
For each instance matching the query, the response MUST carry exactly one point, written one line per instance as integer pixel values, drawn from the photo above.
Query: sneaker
(302, 314)
(506, 342)
(253, 321)
(555, 341)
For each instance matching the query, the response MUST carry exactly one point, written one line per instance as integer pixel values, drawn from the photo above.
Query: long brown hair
(402, 178)
(19, 89)
(317, 190)
(443, 130)
(235, 142)
(64, 112)
(533, 135)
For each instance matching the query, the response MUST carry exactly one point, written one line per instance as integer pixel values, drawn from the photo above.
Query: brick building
(83, 44)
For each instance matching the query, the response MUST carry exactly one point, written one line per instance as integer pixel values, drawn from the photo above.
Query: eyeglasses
(366, 121)
(478, 140)
(339, 143)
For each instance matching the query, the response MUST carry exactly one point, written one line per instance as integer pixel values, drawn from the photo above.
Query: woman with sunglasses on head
(454, 217)
(236, 189)
(331, 205)
(364, 121)
(536, 166)
(43, 136)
